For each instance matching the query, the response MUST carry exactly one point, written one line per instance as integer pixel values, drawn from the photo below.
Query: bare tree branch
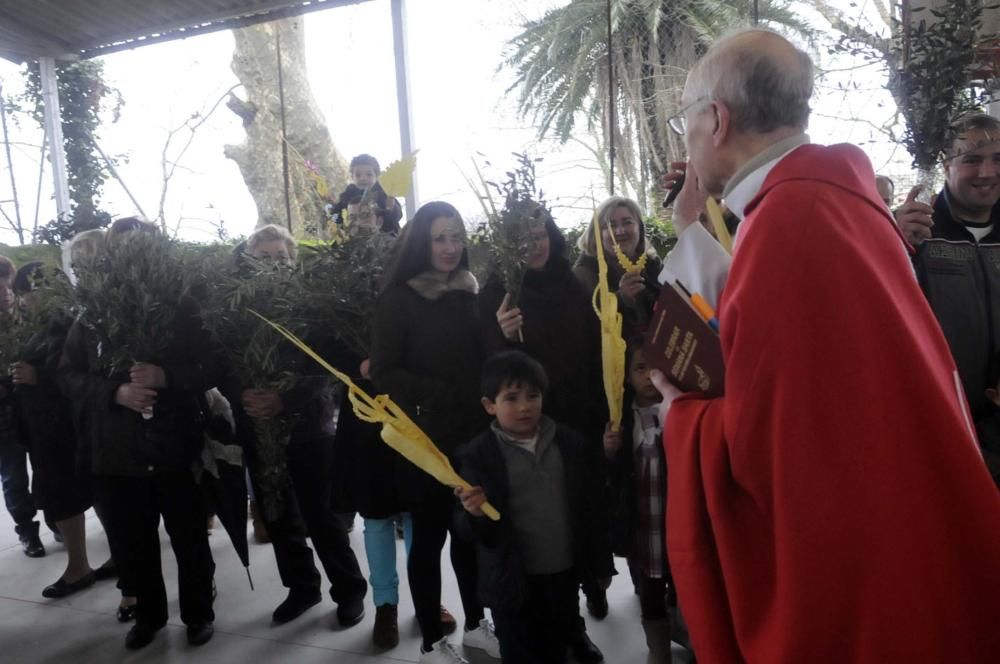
(168, 167)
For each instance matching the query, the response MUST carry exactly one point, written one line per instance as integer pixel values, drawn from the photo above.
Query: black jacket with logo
(961, 279)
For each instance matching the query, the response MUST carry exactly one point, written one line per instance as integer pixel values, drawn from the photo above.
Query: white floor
(82, 628)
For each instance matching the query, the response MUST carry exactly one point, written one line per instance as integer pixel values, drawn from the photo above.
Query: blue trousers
(380, 547)
(16, 492)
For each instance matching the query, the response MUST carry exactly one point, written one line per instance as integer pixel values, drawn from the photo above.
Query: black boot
(30, 542)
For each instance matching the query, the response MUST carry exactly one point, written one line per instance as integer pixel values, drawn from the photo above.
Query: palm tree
(560, 62)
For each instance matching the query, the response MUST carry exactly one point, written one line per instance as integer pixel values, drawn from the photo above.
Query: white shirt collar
(749, 185)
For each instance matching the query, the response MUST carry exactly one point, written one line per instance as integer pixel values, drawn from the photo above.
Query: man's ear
(722, 121)
(489, 405)
(992, 395)
(379, 221)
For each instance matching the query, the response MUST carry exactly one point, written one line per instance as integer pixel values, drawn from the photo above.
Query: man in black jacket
(958, 259)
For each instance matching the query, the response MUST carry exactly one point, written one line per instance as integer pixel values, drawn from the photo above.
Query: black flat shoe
(125, 613)
(139, 637)
(584, 650)
(62, 588)
(106, 571)
(199, 635)
(297, 603)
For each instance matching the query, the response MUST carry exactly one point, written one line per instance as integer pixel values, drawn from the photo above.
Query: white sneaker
(442, 653)
(483, 638)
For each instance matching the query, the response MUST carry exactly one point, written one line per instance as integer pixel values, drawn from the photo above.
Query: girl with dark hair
(427, 354)
(632, 271)
(554, 323)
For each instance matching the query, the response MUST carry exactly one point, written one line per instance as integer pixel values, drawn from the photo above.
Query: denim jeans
(380, 547)
(16, 494)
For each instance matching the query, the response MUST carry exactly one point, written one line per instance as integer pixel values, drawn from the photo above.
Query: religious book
(684, 343)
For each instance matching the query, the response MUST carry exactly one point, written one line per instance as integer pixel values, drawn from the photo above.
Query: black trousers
(432, 519)
(132, 507)
(540, 630)
(309, 512)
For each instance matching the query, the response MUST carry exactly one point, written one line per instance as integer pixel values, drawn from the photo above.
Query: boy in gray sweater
(552, 533)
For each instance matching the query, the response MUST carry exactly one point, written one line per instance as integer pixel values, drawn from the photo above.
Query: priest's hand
(612, 441)
(690, 202)
(262, 403)
(472, 499)
(915, 219)
(147, 375)
(24, 374)
(510, 320)
(135, 397)
(667, 390)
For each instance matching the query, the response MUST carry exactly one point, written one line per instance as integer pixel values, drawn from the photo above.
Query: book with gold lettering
(685, 346)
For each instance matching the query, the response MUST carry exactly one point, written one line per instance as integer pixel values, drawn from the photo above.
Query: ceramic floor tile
(82, 628)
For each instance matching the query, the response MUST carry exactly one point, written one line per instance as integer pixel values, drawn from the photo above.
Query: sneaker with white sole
(483, 638)
(442, 653)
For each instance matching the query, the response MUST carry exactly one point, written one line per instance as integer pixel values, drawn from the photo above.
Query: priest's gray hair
(762, 78)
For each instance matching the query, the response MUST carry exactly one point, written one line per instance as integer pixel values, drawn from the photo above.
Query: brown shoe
(259, 531)
(385, 635)
(447, 621)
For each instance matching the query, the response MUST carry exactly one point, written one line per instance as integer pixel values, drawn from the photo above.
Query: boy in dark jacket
(551, 536)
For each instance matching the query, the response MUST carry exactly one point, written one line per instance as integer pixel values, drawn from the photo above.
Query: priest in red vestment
(833, 506)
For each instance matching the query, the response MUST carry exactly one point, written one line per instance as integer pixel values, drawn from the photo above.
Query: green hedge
(26, 253)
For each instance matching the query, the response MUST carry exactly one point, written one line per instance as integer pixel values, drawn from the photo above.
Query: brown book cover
(681, 344)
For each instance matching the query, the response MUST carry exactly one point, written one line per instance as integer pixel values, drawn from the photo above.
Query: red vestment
(833, 506)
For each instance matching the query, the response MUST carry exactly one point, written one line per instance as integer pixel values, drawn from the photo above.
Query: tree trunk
(259, 157)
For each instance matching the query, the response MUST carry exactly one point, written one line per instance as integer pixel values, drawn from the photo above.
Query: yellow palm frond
(397, 178)
(612, 344)
(719, 224)
(398, 430)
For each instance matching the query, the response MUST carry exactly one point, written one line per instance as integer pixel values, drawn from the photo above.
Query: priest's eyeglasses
(678, 121)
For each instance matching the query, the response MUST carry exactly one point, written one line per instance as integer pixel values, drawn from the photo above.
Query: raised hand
(510, 320)
(915, 218)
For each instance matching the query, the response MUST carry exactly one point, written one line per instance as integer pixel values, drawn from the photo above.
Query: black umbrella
(223, 479)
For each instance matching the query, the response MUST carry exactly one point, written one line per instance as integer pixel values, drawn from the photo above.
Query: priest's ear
(722, 122)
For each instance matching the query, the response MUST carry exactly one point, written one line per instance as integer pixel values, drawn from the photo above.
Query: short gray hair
(272, 233)
(763, 90)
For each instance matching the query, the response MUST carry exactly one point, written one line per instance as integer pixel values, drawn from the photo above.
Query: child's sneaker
(483, 638)
(442, 653)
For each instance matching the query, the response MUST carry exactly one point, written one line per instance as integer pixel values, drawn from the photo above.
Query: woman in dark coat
(58, 486)
(427, 355)
(142, 467)
(621, 224)
(555, 323)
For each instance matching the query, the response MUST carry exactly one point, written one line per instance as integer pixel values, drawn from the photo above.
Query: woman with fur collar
(427, 355)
